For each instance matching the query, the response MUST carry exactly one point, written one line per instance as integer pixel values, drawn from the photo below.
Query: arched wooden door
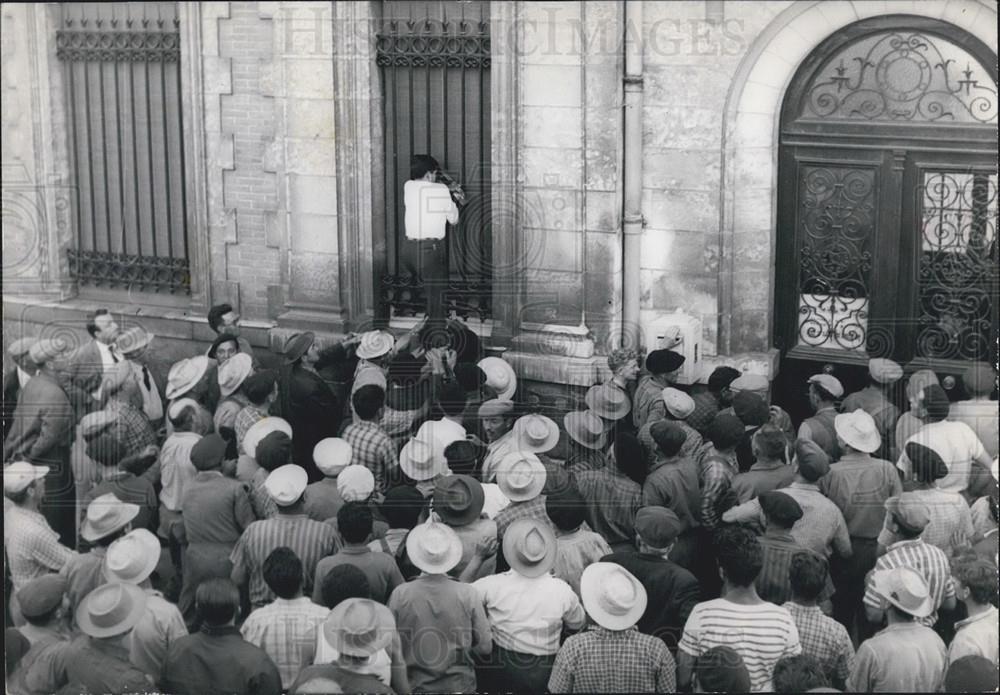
(887, 205)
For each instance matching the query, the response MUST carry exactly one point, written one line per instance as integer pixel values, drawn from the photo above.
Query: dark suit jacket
(314, 415)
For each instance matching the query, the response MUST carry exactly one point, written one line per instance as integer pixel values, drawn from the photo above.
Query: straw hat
(521, 476)
(132, 558)
(133, 339)
(261, 429)
(105, 515)
(586, 428)
(433, 547)
(286, 484)
(332, 455)
(608, 401)
(184, 375)
(905, 589)
(374, 344)
(500, 377)
(612, 595)
(858, 430)
(111, 609)
(233, 372)
(458, 499)
(420, 459)
(359, 627)
(529, 545)
(536, 433)
(20, 474)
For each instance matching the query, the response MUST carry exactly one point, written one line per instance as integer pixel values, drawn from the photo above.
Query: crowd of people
(394, 514)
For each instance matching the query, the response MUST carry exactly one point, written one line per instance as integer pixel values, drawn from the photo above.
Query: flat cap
(980, 378)
(885, 371)
(749, 381)
(751, 408)
(678, 403)
(496, 408)
(909, 510)
(725, 431)
(42, 351)
(813, 462)
(830, 384)
(208, 452)
(669, 436)
(657, 526)
(21, 347)
(42, 595)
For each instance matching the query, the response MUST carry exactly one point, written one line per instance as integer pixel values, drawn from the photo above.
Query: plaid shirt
(282, 629)
(612, 501)
(310, 540)
(372, 448)
(927, 559)
(717, 473)
(245, 419)
(33, 548)
(531, 509)
(620, 661)
(825, 639)
(134, 432)
(706, 407)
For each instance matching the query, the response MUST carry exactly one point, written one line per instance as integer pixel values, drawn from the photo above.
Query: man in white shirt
(979, 412)
(430, 205)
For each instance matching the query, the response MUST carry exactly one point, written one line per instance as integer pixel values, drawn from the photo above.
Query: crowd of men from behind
(397, 514)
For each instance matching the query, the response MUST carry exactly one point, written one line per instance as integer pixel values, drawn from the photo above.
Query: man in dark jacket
(672, 590)
(42, 433)
(15, 376)
(85, 366)
(308, 402)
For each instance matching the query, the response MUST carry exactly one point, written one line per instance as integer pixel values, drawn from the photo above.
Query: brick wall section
(245, 39)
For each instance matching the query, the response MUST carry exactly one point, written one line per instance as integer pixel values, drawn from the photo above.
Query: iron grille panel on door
(123, 87)
(434, 65)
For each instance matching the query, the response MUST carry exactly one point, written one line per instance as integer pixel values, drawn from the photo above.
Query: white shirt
(152, 402)
(428, 207)
(983, 416)
(176, 469)
(527, 614)
(108, 362)
(22, 377)
(495, 500)
(956, 444)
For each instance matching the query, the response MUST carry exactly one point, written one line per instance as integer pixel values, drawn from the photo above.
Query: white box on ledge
(660, 330)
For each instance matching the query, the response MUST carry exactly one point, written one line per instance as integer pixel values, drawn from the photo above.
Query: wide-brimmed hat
(529, 546)
(111, 609)
(500, 376)
(536, 433)
(332, 455)
(133, 339)
(133, 557)
(905, 589)
(433, 547)
(858, 430)
(20, 474)
(521, 476)
(420, 459)
(286, 484)
(261, 429)
(586, 428)
(184, 375)
(374, 344)
(612, 595)
(297, 344)
(233, 371)
(359, 627)
(21, 347)
(884, 371)
(105, 515)
(608, 401)
(678, 403)
(458, 499)
(830, 384)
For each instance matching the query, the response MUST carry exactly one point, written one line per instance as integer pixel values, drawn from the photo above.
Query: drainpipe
(632, 165)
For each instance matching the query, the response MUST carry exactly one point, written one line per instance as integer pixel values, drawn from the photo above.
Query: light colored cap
(96, 422)
(132, 558)
(332, 455)
(829, 383)
(286, 484)
(678, 403)
(233, 371)
(42, 351)
(858, 430)
(500, 376)
(748, 381)
(885, 371)
(21, 347)
(355, 483)
(495, 408)
(261, 429)
(612, 595)
(375, 344)
(20, 474)
(133, 339)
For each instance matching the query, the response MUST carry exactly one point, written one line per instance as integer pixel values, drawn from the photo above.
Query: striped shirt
(773, 583)
(950, 524)
(372, 448)
(33, 548)
(283, 629)
(310, 540)
(927, 559)
(824, 639)
(761, 633)
(613, 661)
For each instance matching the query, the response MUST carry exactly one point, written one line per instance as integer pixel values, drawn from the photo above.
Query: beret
(669, 436)
(780, 507)
(928, 465)
(208, 452)
(813, 462)
(725, 431)
(274, 450)
(751, 409)
(663, 361)
(723, 376)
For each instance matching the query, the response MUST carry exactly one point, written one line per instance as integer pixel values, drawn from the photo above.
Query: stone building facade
(285, 155)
